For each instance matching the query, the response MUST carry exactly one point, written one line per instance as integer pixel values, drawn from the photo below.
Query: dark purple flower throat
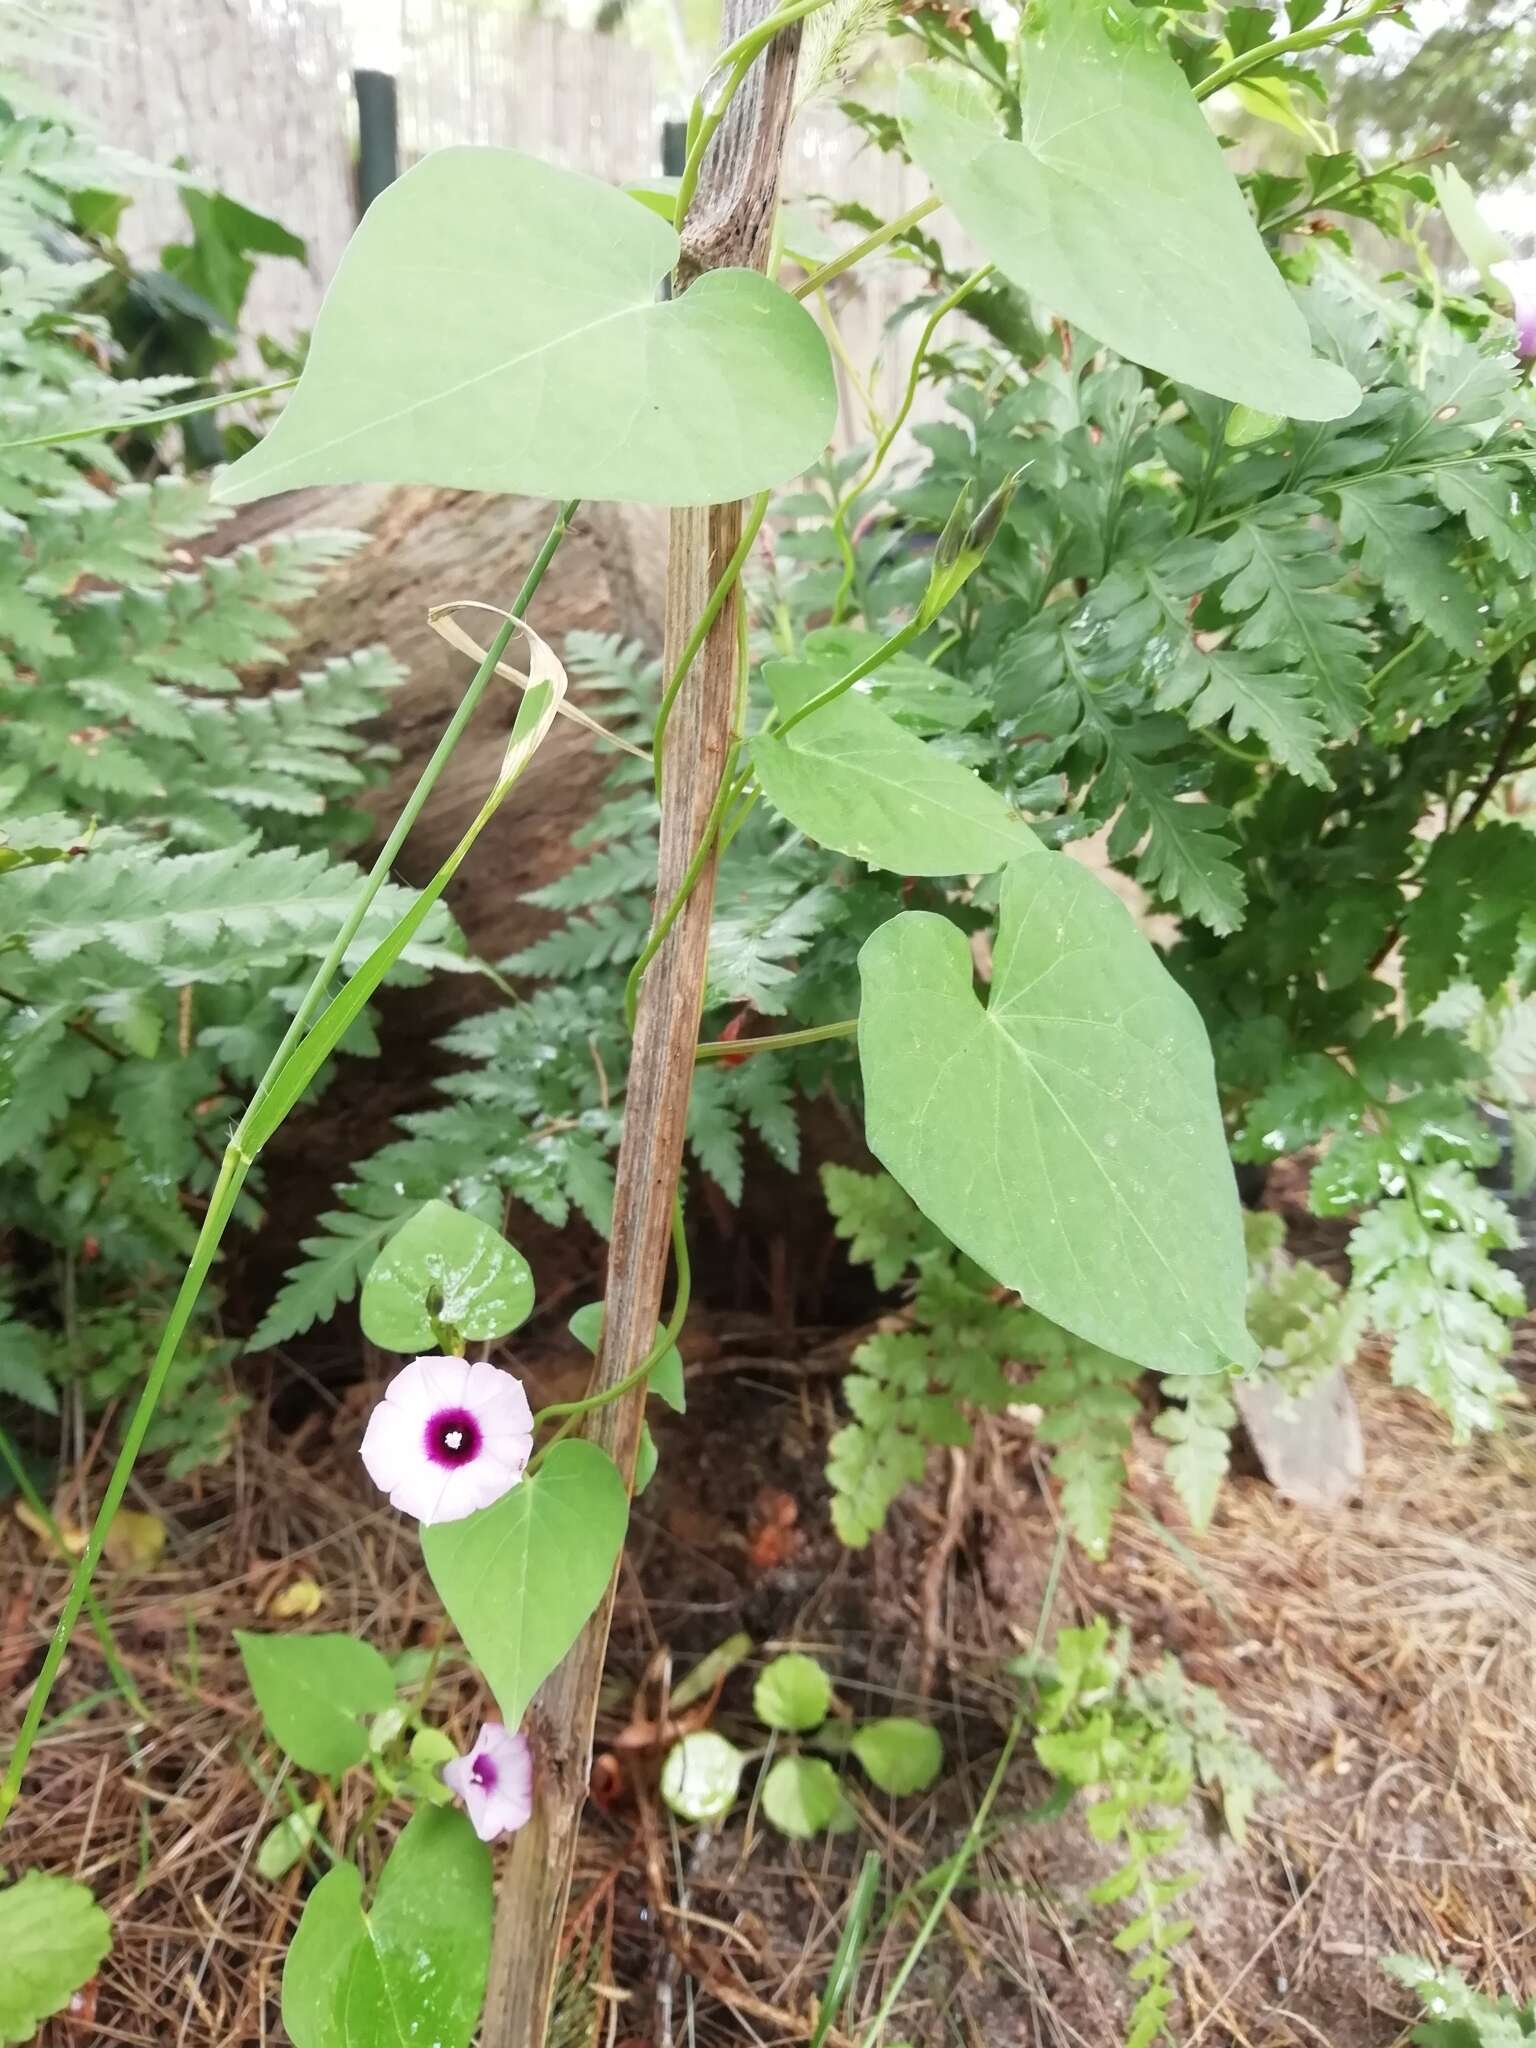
(453, 1438)
(483, 1772)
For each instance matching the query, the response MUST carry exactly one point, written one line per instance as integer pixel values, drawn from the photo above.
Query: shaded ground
(1381, 1657)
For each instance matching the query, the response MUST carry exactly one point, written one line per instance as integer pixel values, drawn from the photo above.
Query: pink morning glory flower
(448, 1438)
(1519, 280)
(495, 1781)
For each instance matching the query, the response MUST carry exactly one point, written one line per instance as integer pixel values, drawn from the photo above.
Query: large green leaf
(311, 1690)
(851, 778)
(521, 1577)
(52, 1936)
(444, 1269)
(1066, 1135)
(1117, 211)
(411, 1969)
(494, 325)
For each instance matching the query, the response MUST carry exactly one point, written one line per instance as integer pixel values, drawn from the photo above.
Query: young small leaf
(312, 1690)
(901, 1755)
(52, 1936)
(792, 1693)
(666, 1380)
(702, 1775)
(801, 1796)
(284, 1845)
(444, 1270)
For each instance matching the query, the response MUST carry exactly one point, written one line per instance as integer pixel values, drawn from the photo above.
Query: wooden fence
(255, 96)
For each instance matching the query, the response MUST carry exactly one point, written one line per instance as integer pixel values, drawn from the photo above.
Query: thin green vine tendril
(702, 624)
(886, 651)
(573, 1411)
(876, 239)
(884, 444)
(736, 61)
(1285, 46)
(233, 1169)
(781, 1041)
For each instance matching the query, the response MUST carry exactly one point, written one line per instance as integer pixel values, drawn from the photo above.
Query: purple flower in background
(1519, 280)
(448, 1438)
(495, 1781)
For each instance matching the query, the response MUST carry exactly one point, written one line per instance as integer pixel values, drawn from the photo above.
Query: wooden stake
(730, 224)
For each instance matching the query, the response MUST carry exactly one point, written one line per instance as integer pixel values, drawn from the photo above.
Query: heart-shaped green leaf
(1116, 210)
(409, 1970)
(1066, 1135)
(52, 1936)
(311, 1690)
(494, 325)
(851, 778)
(521, 1577)
(444, 1270)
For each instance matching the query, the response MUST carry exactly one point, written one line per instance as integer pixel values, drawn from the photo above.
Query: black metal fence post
(378, 135)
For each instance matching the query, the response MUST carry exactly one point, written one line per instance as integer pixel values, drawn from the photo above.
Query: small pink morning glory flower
(448, 1438)
(1519, 280)
(495, 1781)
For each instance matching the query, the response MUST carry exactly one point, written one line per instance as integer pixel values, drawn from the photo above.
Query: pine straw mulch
(1382, 1657)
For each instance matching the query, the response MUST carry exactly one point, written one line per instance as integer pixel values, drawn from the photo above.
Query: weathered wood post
(730, 224)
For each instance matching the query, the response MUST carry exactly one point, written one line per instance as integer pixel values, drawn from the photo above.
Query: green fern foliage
(1137, 1746)
(1456, 2016)
(1198, 1426)
(913, 1388)
(1089, 1403)
(168, 829)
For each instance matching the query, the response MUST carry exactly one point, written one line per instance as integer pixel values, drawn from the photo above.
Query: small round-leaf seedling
(792, 1693)
(900, 1755)
(701, 1776)
(802, 1797)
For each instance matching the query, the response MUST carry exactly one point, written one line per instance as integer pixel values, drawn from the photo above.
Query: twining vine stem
(1286, 46)
(888, 231)
(780, 1041)
(887, 439)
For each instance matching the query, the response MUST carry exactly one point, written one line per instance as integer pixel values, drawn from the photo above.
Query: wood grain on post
(730, 224)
